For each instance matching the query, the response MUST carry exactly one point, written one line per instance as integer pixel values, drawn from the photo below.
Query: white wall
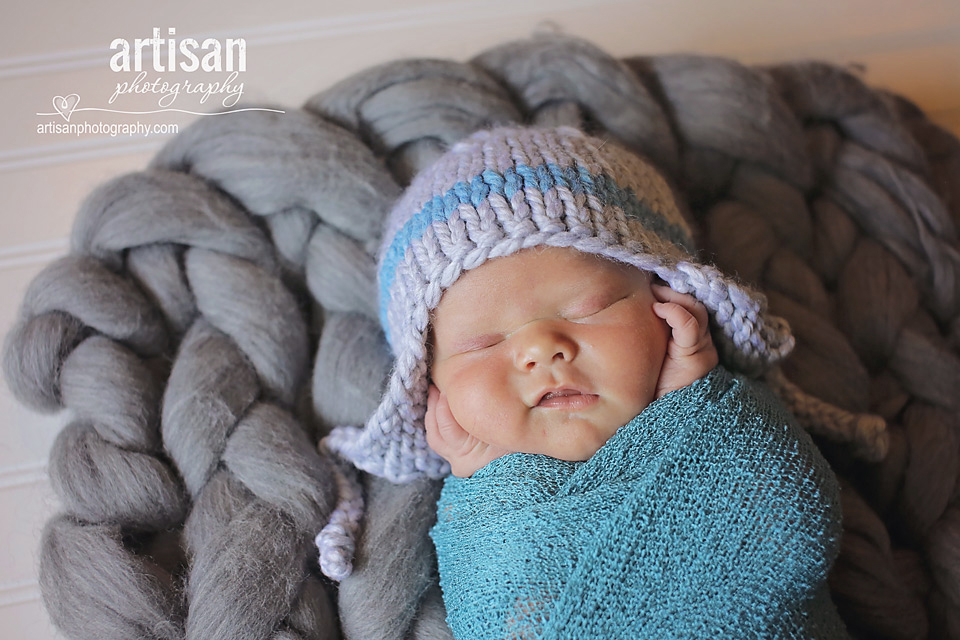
(297, 47)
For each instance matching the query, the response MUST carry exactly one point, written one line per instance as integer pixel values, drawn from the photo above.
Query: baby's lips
(566, 398)
(573, 402)
(559, 394)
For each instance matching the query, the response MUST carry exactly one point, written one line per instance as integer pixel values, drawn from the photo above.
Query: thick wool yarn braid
(316, 261)
(106, 465)
(867, 432)
(770, 159)
(104, 231)
(767, 203)
(320, 491)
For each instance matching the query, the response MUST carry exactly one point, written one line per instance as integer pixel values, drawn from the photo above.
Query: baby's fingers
(686, 317)
(444, 433)
(688, 302)
(684, 327)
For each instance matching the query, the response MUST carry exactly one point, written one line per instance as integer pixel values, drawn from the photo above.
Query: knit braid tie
(337, 540)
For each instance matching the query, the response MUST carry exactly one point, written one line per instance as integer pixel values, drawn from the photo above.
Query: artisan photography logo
(183, 75)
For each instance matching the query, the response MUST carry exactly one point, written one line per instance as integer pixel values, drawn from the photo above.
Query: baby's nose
(542, 343)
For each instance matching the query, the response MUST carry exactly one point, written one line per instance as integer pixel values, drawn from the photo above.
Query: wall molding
(76, 150)
(31, 254)
(298, 31)
(397, 20)
(853, 47)
(19, 592)
(23, 475)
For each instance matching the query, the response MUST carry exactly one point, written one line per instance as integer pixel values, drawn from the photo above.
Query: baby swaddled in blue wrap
(710, 515)
(557, 350)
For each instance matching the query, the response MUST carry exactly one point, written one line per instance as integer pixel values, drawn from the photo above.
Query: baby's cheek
(641, 362)
(466, 398)
(486, 411)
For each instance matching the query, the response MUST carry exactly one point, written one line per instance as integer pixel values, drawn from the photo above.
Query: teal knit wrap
(711, 514)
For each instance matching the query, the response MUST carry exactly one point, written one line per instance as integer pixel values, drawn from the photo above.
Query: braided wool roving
(182, 327)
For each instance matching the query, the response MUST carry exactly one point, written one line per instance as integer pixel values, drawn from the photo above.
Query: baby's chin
(574, 440)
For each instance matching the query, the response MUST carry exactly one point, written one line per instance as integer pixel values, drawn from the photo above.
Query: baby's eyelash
(479, 343)
(600, 306)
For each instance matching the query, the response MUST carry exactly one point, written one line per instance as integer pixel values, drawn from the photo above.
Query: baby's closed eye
(593, 305)
(477, 343)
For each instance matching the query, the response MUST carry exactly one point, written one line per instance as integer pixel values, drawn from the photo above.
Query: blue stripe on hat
(542, 177)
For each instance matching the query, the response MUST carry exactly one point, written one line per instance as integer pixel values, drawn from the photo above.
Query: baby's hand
(690, 350)
(465, 453)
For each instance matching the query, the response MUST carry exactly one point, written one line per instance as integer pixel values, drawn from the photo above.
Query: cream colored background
(296, 47)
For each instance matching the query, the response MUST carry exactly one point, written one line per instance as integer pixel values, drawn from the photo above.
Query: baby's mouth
(569, 399)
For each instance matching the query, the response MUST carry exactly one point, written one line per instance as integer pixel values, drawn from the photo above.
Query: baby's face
(548, 351)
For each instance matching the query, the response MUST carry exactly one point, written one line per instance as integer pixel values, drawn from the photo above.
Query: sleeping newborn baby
(702, 513)
(610, 478)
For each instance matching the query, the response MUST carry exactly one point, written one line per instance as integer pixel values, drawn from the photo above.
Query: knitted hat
(508, 189)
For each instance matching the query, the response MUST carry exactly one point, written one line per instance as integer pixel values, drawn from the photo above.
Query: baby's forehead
(550, 263)
(561, 271)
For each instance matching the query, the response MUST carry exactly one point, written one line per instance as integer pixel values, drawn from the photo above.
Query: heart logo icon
(65, 105)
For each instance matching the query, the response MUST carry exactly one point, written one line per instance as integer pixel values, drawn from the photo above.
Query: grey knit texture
(216, 316)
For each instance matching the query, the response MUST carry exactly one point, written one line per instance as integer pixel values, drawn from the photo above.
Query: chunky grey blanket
(215, 316)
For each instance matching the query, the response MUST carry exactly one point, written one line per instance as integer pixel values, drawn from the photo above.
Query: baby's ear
(655, 279)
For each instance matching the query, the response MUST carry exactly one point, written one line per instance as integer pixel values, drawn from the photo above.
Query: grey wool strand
(87, 567)
(315, 165)
(216, 314)
(394, 566)
(353, 359)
